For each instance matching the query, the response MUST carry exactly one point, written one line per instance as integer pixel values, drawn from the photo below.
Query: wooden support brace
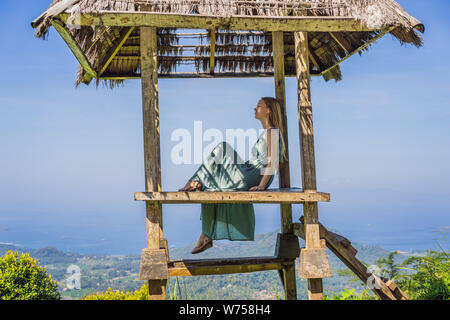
(76, 50)
(342, 248)
(114, 50)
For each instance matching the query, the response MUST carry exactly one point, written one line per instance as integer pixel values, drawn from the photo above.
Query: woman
(236, 221)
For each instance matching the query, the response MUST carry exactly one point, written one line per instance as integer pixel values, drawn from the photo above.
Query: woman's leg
(212, 174)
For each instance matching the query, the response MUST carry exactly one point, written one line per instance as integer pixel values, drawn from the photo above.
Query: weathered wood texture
(152, 163)
(153, 265)
(226, 266)
(314, 263)
(75, 48)
(284, 247)
(343, 249)
(291, 195)
(196, 21)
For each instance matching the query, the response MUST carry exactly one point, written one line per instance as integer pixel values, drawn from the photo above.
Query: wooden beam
(212, 52)
(365, 45)
(226, 266)
(190, 75)
(75, 48)
(286, 196)
(289, 281)
(113, 52)
(238, 23)
(308, 171)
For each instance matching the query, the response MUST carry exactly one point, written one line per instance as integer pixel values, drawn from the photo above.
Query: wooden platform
(283, 195)
(226, 265)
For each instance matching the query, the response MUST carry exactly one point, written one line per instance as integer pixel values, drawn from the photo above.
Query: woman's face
(261, 110)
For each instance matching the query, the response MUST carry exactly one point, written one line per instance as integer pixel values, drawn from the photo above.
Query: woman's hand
(256, 188)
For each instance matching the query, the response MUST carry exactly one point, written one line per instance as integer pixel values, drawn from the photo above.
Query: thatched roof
(112, 51)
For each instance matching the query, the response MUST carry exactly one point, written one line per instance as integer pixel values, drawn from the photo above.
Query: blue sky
(71, 159)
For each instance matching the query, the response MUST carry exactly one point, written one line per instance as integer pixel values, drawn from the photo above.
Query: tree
(22, 279)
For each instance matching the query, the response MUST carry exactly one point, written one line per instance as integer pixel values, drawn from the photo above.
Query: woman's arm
(270, 170)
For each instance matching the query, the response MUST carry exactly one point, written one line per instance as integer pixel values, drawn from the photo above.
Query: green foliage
(347, 294)
(388, 266)
(350, 294)
(430, 279)
(22, 279)
(141, 294)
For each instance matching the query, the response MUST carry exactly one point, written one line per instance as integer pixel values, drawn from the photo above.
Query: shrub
(141, 294)
(22, 279)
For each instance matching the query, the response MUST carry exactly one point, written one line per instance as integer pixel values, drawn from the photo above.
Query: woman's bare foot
(192, 186)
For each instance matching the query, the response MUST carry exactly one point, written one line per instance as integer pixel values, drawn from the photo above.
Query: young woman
(224, 170)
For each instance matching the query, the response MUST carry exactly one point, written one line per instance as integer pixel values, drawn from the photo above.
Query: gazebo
(117, 40)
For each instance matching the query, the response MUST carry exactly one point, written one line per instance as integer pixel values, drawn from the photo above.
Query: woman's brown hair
(275, 119)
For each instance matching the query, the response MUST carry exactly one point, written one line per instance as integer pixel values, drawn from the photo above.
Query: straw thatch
(234, 50)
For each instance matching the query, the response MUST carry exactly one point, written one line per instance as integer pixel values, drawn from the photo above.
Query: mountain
(100, 272)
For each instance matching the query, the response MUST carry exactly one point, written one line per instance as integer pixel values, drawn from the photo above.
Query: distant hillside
(98, 272)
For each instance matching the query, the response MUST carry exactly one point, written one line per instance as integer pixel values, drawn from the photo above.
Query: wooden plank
(286, 196)
(113, 52)
(225, 266)
(238, 23)
(75, 48)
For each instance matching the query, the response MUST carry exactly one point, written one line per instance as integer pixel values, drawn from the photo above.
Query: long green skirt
(224, 170)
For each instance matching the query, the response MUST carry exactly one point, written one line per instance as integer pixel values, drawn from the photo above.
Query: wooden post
(314, 263)
(150, 115)
(288, 273)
